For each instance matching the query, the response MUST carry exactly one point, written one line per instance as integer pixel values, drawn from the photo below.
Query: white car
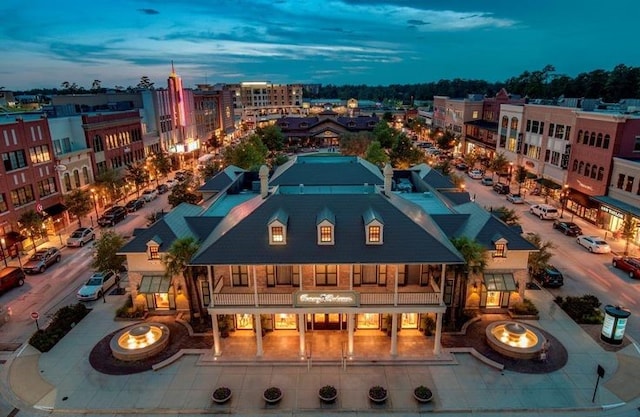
(594, 244)
(515, 198)
(81, 236)
(150, 195)
(476, 174)
(172, 183)
(97, 285)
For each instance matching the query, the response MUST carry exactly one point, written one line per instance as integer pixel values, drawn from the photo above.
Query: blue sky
(374, 42)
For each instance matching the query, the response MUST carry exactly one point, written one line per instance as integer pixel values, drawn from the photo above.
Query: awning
(499, 282)
(154, 284)
(11, 238)
(55, 209)
(582, 199)
(548, 183)
(620, 207)
(531, 176)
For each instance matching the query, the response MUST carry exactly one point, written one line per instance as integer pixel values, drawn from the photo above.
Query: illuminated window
(277, 234)
(154, 252)
(325, 234)
(501, 250)
(277, 227)
(325, 223)
(374, 234)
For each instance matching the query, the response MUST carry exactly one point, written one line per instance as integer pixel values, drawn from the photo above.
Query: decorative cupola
(373, 227)
(325, 224)
(263, 174)
(388, 177)
(278, 228)
(153, 248)
(500, 246)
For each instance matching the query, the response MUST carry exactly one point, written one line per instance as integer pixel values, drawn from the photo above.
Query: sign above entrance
(327, 299)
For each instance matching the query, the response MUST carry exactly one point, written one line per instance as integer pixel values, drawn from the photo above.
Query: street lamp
(563, 198)
(95, 202)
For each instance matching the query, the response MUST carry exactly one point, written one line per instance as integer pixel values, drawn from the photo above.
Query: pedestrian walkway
(62, 381)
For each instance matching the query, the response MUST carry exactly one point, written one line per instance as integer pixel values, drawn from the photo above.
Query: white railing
(284, 299)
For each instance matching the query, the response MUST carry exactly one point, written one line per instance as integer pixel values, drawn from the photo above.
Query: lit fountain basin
(139, 341)
(516, 340)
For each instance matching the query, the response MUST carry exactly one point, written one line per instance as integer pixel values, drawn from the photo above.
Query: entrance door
(329, 321)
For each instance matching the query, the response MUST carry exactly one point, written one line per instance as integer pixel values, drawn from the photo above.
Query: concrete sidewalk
(66, 384)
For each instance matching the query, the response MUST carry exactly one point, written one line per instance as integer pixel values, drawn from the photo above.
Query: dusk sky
(374, 42)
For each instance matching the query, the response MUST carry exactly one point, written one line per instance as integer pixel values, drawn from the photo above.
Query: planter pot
(422, 394)
(378, 400)
(378, 394)
(421, 399)
(328, 400)
(221, 400)
(272, 399)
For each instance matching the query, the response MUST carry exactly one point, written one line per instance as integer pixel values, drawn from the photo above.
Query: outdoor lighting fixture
(179, 289)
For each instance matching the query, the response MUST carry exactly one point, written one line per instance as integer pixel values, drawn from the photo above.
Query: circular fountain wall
(139, 341)
(516, 340)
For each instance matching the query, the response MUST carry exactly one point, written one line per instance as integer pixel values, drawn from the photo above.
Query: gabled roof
(456, 197)
(314, 170)
(222, 179)
(406, 240)
(433, 177)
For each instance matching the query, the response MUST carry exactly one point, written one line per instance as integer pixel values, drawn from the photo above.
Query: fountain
(139, 341)
(516, 340)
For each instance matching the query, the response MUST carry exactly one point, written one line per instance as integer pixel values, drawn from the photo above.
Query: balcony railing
(286, 299)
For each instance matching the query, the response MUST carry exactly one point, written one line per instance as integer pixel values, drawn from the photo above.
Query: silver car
(81, 236)
(41, 260)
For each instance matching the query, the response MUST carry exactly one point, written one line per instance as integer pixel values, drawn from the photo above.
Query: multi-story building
(28, 176)
(73, 155)
(214, 114)
(262, 101)
(327, 243)
(452, 114)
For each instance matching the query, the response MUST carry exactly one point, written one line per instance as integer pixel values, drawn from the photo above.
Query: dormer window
(278, 228)
(153, 248)
(500, 245)
(325, 223)
(374, 227)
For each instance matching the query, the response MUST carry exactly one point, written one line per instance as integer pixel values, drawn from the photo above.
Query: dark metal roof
(139, 243)
(456, 197)
(316, 171)
(247, 242)
(222, 179)
(437, 180)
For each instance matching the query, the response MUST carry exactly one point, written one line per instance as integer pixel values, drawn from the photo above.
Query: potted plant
(272, 395)
(377, 394)
(422, 394)
(328, 394)
(221, 395)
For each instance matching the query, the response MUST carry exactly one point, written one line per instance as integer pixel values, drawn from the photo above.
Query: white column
(259, 349)
(210, 280)
(350, 327)
(302, 325)
(436, 340)
(395, 287)
(255, 286)
(394, 334)
(216, 335)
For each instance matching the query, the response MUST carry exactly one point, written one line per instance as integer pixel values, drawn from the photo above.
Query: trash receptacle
(615, 321)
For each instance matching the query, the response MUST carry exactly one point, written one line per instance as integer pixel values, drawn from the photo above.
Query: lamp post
(4, 258)
(95, 202)
(563, 198)
(510, 172)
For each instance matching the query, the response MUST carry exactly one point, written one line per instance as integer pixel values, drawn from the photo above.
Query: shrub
(422, 392)
(63, 321)
(221, 393)
(272, 393)
(377, 392)
(526, 307)
(127, 311)
(328, 391)
(583, 310)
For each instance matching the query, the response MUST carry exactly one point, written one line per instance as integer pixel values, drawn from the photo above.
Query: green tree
(376, 155)
(475, 258)
(145, 83)
(444, 167)
(138, 175)
(384, 134)
(499, 164)
(209, 170)
(355, 143)
(446, 141)
(78, 204)
(96, 85)
(272, 137)
(176, 262)
(183, 193)
(111, 183)
(106, 252)
(249, 154)
(509, 216)
(387, 117)
(404, 154)
(521, 177)
(33, 224)
(628, 231)
(160, 164)
(540, 259)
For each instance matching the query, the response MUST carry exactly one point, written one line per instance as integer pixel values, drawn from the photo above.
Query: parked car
(81, 236)
(97, 285)
(162, 188)
(462, 166)
(112, 216)
(515, 198)
(475, 174)
(568, 228)
(488, 181)
(149, 195)
(501, 188)
(11, 277)
(549, 276)
(172, 183)
(544, 211)
(41, 260)
(134, 205)
(594, 244)
(628, 264)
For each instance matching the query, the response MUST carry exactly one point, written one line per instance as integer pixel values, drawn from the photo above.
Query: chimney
(388, 175)
(264, 176)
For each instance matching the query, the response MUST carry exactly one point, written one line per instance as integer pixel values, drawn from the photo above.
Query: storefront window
(410, 321)
(244, 322)
(368, 321)
(286, 322)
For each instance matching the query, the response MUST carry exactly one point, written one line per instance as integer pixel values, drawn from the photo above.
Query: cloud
(148, 11)
(415, 22)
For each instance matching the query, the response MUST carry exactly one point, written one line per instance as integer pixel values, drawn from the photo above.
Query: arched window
(76, 178)
(67, 181)
(575, 165)
(594, 171)
(605, 144)
(600, 173)
(585, 139)
(580, 136)
(85, 175)
(505, 122)
(514, 123)
(580, 166)
(599, 141)
(592, 139)
(587, 169)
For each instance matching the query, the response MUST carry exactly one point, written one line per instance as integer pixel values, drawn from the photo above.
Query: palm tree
(176, 261)
(475, 257)
(538, 260)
